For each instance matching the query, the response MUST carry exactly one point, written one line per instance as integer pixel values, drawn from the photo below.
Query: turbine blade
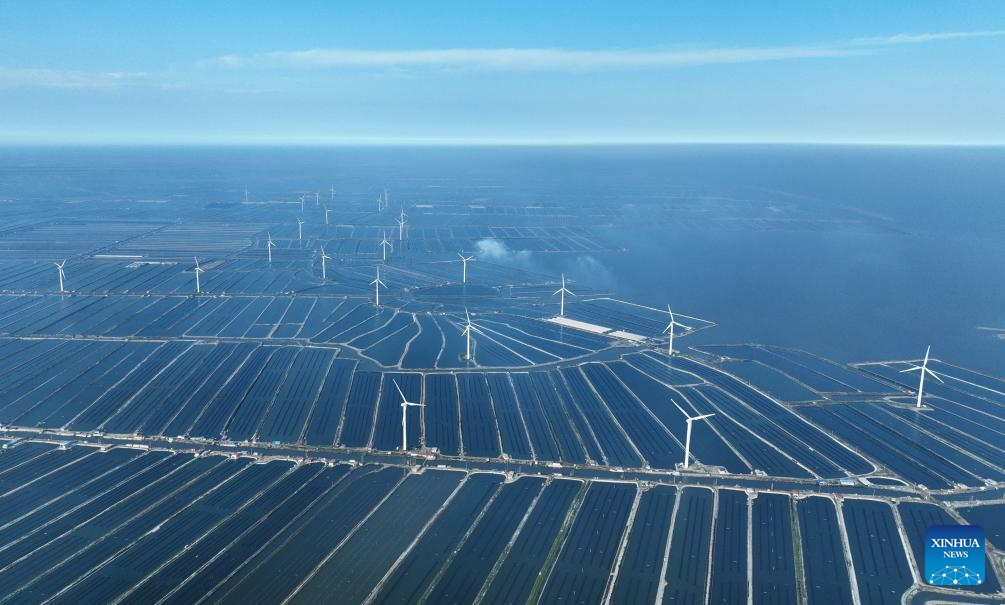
(703, 417)
(680, 408)
(403, 398)
(935, 376)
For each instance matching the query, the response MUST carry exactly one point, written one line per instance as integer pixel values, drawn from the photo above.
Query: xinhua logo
(954, 555)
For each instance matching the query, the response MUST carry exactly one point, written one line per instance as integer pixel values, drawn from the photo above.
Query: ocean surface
(855, 253)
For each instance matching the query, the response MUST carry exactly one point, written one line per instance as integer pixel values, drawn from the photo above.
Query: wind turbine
(245, 194)
(384, 244)
(669, 330)
(468, 329)
(59, 267)
(404, 415)
(401, 224)
(302, 197)
(268, 246)
(324, 257)
(377, 284)
(300, 229)
(687, 439)
(317, 198)
(923, 369)
(327, 212)
(333, 192)
(563, 291)
(197, 271)
(464, 260)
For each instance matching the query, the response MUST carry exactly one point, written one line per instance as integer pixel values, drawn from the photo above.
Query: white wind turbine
(317, 198)
(563, 291)
(377, 284)
(468, 329)
(465, 260)
(669, 330)
(198, 272)
(302, 198)
(922, 370)
(687, 439)
(59, 267)
(401, 224)
(300, 229)
(333, 192)
(327, 212)
(268, 246)
(384, 245)
(324, 257)
(405, 403)
(245, 194)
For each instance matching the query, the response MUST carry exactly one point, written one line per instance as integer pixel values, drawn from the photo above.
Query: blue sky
(509, 72)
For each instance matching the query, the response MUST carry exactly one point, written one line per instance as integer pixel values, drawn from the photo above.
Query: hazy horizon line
(313, 142)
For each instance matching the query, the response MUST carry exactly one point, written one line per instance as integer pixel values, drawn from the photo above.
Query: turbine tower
(302, 197)
(563, 291)
(245, 194)
(327, 212)
(197, 271)
(300, 229)
(377, 284)
(324, 257)
(268, 246)
(465, 260)
(669, 330)
(384, 245)
(687, 439)
(59, 267)
(405, 403)
(333, 192)
(317, 198)
(923, 369)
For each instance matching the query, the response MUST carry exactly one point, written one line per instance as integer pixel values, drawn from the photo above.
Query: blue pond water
(851, 252)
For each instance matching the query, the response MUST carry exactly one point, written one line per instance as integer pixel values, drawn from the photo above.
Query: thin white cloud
(525, 59)
(930, 37)
(558, 59)
(59, 78)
